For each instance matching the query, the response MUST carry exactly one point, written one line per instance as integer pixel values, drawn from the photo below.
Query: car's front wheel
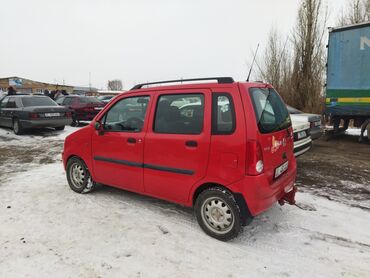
(17, 127)
(218, 213)
(78, 176)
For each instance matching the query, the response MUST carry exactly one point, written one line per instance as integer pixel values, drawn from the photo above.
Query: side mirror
(99, 127)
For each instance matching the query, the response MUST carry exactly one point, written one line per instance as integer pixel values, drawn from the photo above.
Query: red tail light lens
(254, 165)
(34, 116)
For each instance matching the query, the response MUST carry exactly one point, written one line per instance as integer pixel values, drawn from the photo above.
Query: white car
(302, 138)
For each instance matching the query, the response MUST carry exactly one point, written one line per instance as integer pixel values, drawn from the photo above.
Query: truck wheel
(78, 176)
(17, 127)
(218, 213)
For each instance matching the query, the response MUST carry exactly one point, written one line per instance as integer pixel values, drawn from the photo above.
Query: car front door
(117, 148)
(177, 143)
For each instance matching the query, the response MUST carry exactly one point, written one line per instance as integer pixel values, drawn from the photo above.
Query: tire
(78, 176)
(368, 131)
(17, 127)
(60, 128)
(218, 213)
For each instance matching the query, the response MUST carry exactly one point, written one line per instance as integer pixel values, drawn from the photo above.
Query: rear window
(89, 100)
(271, 112)
(38, 101)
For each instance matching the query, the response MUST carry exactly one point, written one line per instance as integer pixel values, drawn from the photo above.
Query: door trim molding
(143, 165)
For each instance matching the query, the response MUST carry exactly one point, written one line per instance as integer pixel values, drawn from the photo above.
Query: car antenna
(254, 58)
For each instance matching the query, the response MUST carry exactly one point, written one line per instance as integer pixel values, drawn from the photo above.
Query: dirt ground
(338, 169)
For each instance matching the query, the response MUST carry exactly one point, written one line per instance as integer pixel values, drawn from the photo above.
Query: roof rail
(220, 80)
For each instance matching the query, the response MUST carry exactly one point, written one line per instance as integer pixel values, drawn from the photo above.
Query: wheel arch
(246, 216)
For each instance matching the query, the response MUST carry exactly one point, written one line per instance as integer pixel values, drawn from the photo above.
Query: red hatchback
(84, 108)
(225, 148)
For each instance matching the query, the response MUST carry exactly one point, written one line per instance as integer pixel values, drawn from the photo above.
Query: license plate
(318, 123)
(52, 114)
(281, 169)
(98, 108)
(301, 134)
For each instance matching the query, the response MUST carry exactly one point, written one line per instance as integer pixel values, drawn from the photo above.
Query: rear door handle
(191, 144)
(131, 140)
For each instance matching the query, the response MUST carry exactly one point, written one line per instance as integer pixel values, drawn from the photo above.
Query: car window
(11, 103)
(127, 115)
(60, 100)
(4, 102)
(67, 101)
(223, 114)
(179, 114)
(38, 101)
(271, 113)
(89, 100)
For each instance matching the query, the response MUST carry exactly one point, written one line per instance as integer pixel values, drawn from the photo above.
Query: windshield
(38, 101)
(271, 113)
(89, 100)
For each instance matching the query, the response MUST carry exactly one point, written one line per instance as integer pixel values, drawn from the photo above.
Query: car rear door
(177, 143)
(275, 131)
(117, 149)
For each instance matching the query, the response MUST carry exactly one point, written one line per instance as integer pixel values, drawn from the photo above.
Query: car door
(117, 148)
(3, 104)
(177, 143)
(8, 112)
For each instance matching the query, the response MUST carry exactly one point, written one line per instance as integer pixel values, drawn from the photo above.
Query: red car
(225, 148)
(84, 108)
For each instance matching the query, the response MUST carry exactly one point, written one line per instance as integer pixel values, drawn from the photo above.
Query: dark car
(22, 112)
(84, 108)
(314, 120)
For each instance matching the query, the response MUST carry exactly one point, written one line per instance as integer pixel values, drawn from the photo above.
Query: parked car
(314, 120)
(22, 112)
(105, 99)
(84, 108)
(224, 148)
(302, 137)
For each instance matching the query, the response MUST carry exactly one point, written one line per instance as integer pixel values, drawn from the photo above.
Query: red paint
(228, 160)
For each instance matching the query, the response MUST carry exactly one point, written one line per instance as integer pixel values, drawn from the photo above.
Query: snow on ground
(355, 131)
(47, 230)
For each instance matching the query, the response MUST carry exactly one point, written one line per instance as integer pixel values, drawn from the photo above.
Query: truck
(348, 78)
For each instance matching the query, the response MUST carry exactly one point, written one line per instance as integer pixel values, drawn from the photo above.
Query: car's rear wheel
(78, 176)
(17, 127)
(368, 131)
(218, 213)
(59, 128)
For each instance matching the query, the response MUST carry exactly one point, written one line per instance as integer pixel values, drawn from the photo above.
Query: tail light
(312, 124)
(254, 165)
(34, 116)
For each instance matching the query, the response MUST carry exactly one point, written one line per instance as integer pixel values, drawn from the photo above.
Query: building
(28, 86)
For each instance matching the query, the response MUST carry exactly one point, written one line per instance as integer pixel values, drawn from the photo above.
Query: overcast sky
(137, 40)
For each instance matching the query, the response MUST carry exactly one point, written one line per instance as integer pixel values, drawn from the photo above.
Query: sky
(76, 42)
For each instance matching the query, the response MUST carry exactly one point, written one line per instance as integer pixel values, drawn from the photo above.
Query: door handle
(191, 144)
(131, 140)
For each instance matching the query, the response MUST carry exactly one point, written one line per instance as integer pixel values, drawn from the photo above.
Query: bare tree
(309, 58)
(276, 66)
(115, 85)
(356, 11)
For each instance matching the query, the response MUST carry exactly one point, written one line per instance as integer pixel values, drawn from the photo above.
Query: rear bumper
(85, 116)
(316, 133)
(260, 195)
(302, 146)
(45, 123)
